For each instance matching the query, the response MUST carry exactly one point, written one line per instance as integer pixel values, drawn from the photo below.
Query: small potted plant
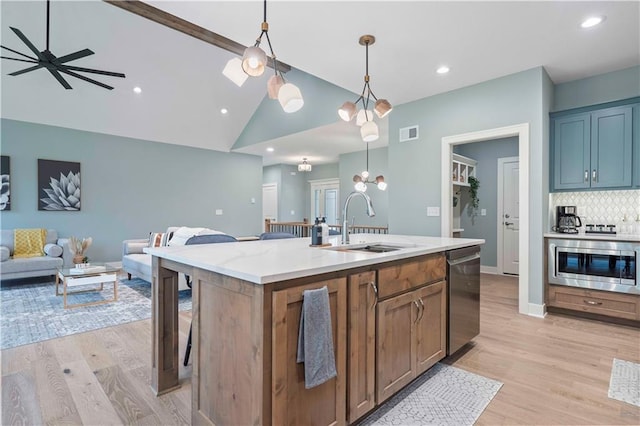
(474, 184)
(77, 247)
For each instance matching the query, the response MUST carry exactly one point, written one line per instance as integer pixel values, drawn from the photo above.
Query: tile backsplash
(599, 207)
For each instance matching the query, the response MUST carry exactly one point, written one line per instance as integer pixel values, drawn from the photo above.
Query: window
(325, 200)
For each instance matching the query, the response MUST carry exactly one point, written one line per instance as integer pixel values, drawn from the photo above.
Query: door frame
(270, 185)
(321, 182)
(501, 162)
(522, 132)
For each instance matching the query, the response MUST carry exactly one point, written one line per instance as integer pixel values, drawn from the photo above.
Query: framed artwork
(5, 192)
(58, 185)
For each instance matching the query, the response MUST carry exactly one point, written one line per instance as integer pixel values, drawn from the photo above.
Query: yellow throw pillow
(29, 242)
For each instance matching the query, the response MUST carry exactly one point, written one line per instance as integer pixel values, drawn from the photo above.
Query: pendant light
(304, 166)
(362, 179)
(253, 63)
(364, 117)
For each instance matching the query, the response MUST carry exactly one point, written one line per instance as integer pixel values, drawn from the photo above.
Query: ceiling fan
(56, 65)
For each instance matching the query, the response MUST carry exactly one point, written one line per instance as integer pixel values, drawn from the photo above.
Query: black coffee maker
(567, 220)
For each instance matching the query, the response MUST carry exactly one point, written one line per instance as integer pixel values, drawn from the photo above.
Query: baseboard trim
(489, 270)
(538, 311)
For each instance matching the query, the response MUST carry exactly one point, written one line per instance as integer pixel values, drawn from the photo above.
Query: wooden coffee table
(94, 277)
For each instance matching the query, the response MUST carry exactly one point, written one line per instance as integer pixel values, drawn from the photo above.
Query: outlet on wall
(433, 211)
(293, 212)
(218, 212)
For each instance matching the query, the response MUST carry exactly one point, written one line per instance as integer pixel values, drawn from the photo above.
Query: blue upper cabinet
(572, 152)
(636, 145)
(611, 143)
(595, 149)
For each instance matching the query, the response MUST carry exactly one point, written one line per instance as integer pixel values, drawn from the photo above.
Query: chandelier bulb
(365, 175)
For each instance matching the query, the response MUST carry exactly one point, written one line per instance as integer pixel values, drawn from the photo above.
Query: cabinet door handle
(592, 302)
(415, 302)
(421, 310)
(586, 175)
(594, 176)
(375, 293)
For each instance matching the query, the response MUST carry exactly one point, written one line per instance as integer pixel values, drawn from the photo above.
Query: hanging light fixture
(253, 64)
(364, 117)
(304, 166)
(362, 179)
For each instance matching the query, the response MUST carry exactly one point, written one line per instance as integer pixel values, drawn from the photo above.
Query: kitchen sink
(370, 248)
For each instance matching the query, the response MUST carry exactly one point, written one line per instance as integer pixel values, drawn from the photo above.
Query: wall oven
(600, 265)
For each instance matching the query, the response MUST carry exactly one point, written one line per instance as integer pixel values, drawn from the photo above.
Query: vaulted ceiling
(184, 91)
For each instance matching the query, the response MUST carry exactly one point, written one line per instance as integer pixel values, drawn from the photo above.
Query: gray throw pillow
(53, 250)
(4, 253)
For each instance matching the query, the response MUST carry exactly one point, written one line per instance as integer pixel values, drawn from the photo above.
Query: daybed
(135, 262)
(56, 254)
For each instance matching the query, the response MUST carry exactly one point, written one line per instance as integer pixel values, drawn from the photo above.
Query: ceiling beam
(161, 17)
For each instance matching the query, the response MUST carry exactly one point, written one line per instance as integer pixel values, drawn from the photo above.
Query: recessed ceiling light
(592, 21)
(443, 69)
(224, 111)
(270, 149)
(137, 90)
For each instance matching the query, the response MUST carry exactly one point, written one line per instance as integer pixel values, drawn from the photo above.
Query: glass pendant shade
(361, 187)
(273, 86)
(364, 116)
(369, 131)
(234, 72)
(254, 61)
(365, 175)
(382, 185)
(347, 111)
(290, 98)
(382, 108)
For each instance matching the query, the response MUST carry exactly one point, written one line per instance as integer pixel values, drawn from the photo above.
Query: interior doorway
(508, 215)
(325, 200)
(269, 202)
(522, 132)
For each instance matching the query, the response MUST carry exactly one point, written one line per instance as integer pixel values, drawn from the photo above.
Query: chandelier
(253, 64)
(362, 179)
(304, 166)
(364, 117)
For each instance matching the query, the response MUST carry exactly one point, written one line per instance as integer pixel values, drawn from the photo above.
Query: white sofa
(57, 254)
(135, 262)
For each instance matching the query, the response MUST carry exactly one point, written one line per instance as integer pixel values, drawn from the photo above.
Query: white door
(269, 202)
(325, 200)
(509, 219)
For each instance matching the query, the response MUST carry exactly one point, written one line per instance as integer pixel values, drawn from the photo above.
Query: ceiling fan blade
(26, 41)
(82, 77)
(18, 59)
(112, 74)
(58, 77)
(26, 70)
(18, 53)
(73, 56)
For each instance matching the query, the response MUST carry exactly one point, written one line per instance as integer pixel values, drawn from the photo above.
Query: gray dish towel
(315, 338)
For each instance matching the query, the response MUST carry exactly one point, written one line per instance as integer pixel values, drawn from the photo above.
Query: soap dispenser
(316, 233)
(325, 230)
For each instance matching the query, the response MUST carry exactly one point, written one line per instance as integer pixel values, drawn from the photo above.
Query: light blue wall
(414, 167)
(486, 153)
(291, 191)
(607, 87)
(354, 163)
(321, 102)
(130, 187)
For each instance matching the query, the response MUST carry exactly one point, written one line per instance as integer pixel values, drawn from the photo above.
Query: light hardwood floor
(555, 371)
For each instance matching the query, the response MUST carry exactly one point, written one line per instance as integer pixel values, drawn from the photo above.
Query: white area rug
(445, 395)
(625, 382)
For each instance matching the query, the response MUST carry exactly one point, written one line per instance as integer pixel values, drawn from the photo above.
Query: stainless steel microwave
(600, 265)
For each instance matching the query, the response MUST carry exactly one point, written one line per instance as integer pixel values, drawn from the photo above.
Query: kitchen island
(388, 319)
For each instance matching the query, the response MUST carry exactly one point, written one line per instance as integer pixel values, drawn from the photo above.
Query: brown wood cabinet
(362, 344)
(292, 403)
(411, 337)
(615, 305)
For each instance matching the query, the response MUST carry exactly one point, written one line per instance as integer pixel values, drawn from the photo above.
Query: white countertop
(600, 237)
(268, 261)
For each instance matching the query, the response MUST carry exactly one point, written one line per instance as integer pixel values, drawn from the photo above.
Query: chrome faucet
(345, 224)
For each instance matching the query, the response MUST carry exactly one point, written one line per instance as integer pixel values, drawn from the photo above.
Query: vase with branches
(77, 247)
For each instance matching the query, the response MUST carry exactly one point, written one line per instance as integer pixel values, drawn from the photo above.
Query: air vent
(409, 133)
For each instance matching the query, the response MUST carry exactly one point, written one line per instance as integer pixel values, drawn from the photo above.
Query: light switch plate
(218, 212)
(433, 211)
(483, 212)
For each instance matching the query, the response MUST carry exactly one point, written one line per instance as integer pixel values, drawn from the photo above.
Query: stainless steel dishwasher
(463, 272)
